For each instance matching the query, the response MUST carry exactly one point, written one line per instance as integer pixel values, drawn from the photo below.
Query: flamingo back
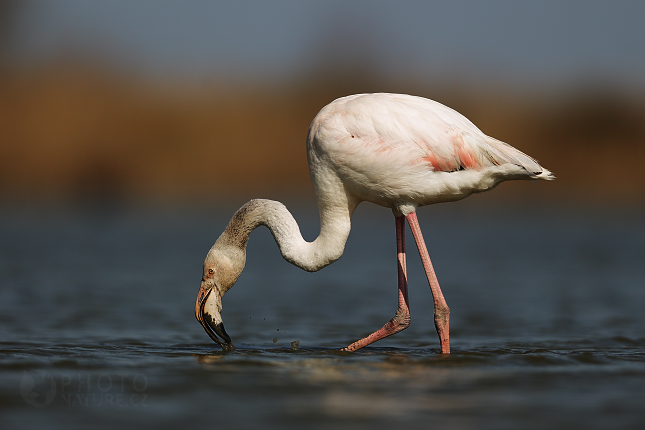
(398, 148)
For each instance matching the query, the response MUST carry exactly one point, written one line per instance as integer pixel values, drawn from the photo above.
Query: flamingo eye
(211, 271)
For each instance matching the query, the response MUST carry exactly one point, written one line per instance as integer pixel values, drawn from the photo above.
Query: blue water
(547, 325)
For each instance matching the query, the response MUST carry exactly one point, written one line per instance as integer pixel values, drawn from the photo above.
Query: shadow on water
(97, 325)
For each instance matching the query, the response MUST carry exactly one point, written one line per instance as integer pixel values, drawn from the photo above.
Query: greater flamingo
(394, 150)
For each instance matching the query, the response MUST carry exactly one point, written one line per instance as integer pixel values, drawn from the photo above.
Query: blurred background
(177, 102)
(131, 130)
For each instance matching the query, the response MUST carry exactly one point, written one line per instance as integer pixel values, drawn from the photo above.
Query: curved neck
(335, 225)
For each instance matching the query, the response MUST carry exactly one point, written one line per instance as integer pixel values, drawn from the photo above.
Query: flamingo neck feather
(309, 256)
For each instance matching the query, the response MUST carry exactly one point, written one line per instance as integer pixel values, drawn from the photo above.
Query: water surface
(547, 323)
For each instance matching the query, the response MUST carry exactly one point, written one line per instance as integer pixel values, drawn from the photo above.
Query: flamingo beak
(209, 316)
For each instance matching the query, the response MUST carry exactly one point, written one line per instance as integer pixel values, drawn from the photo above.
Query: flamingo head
(222, 267)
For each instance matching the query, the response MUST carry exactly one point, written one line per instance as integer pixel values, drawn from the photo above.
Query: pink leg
(441, 311)
(401, 319)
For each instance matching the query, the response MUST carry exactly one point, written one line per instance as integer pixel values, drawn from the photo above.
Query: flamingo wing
(408, 131)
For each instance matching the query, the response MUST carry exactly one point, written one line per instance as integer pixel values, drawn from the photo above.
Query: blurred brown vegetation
(72, 131)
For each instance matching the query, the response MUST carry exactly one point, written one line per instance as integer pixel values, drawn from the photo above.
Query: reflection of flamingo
(397, 151)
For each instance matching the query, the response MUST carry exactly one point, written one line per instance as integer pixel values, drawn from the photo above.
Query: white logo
(38, 388)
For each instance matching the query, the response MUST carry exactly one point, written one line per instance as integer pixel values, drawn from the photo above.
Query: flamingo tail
(498, 152)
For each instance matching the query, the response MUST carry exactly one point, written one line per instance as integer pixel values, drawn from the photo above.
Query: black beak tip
(219, 329)
(217, 332)
(228, 347)
(221, 332)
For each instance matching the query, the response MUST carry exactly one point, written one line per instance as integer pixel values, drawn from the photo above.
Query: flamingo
(397, 151)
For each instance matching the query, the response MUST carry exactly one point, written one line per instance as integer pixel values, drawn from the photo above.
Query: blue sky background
(523, 45)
